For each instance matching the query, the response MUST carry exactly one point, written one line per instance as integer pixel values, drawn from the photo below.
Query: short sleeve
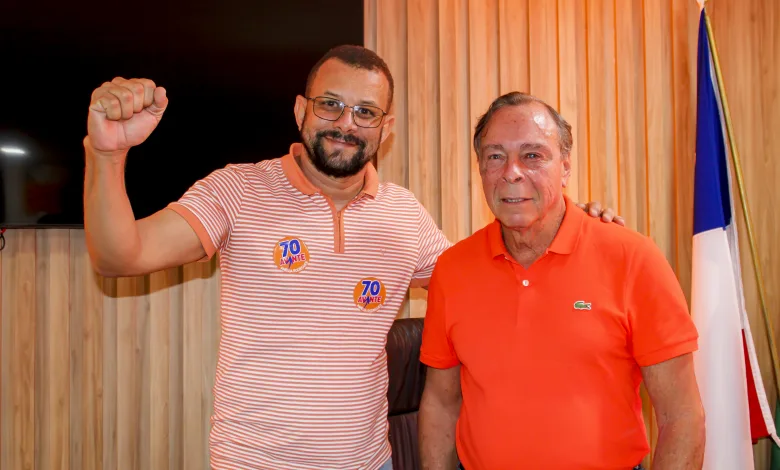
(437, 350)
(431, 243)
(660, 322)
(211, 206)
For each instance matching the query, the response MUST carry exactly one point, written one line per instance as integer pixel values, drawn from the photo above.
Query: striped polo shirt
(308, 296)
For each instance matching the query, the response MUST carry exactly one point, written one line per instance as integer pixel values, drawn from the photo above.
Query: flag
(775, 458)
(735, 403)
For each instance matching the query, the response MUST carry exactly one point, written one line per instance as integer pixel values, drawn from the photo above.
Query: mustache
(348, 138)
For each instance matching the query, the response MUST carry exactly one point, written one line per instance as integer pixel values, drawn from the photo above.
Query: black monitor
(232, 70)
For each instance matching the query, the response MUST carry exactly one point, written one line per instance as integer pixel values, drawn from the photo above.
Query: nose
(513, 171)
(346, 122)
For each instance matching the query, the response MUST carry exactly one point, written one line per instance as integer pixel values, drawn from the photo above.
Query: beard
(332, 164)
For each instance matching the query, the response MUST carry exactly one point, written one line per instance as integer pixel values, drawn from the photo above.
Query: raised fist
(123, 113)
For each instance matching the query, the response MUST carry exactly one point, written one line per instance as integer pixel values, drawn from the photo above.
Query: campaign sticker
(369, 294)
(291, 255)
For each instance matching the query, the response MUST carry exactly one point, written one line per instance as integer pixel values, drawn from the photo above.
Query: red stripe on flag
(758, 428)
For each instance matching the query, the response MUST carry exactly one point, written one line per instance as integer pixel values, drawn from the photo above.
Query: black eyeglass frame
(343, 106)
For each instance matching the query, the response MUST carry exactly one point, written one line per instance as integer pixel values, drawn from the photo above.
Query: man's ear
(387, 127)
(566, 171)
(300, 110)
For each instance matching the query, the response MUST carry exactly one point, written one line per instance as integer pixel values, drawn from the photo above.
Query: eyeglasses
(331, 109)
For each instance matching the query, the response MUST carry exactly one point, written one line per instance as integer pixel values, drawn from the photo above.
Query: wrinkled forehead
(350, 84)
(521, 124)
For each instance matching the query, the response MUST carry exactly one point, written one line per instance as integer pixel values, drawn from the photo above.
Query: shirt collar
(564, 242)
(299, 181)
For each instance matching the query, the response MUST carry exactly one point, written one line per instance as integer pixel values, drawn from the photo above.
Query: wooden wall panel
(110, 374)
(483, 88)
(18, 387)
(100, 373)
(423, 100)
(513, 41)
(391, 43)
(659, 118)
(543, 50)
(52, 399)
(118, 374)
(630, 129)
(87, 359)
(455, 144)
(602, 106)
(573, 92)
(423, 104)
(685, 21)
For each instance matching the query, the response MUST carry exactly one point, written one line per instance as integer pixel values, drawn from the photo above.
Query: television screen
(232, 70)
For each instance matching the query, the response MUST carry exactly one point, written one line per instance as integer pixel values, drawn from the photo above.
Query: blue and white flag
(732, 391)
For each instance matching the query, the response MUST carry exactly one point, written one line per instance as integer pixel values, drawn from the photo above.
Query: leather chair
(407, 378)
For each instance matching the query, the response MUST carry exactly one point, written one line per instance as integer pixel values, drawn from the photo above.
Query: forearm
(110, 227)
(680, 444)
(437, 434)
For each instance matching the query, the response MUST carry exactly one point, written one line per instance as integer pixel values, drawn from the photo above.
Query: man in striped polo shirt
(316, 256)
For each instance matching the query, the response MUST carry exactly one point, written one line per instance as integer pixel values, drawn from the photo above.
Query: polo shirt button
(525, 282)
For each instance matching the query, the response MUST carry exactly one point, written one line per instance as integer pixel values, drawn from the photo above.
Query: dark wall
(232, 70)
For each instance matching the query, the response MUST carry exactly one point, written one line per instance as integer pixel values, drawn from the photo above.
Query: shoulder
(242, 171)
(399, 203)
(607, 234)
(263, 173)
(472, 249)
(391, 192)
(619, 245)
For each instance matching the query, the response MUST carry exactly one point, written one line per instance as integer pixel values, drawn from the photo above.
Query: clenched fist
(123, 113)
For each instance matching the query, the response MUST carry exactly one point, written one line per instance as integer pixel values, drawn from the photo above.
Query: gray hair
(517, 98)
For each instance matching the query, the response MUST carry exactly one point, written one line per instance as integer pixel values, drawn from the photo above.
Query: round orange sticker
(369, 294)
(291, 255)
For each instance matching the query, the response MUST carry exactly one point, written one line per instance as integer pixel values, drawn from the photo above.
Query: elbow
(105, 269)
(696, 420)
(109, 264)
(428, 407)
(701, 428)
(112, 268)
(688, 427)
(698, 433)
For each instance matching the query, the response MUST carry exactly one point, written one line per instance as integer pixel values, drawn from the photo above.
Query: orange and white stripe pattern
(308, 296)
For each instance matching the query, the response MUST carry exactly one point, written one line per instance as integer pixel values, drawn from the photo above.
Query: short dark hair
(517, 98)
(355, 56)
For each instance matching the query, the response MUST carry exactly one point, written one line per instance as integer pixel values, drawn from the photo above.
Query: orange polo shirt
(550, 356)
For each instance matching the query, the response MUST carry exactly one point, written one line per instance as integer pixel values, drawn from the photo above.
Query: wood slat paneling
(454, 119)
(118, 374)
(684, 31)
(17, 386)
(52, 405)
(423, 107)
(513, 40)
(602, 106)
(573, 93)
(94, 372)
(543, 50)
(659, 117)
(87, 359)
(391, 43)
(631, 135)
(483, 88)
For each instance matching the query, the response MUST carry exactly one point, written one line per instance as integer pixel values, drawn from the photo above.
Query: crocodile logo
(581, 305)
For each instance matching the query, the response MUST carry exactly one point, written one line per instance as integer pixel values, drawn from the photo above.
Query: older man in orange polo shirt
(542, 325)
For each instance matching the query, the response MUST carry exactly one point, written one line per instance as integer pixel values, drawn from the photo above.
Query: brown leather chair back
(407, 378)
